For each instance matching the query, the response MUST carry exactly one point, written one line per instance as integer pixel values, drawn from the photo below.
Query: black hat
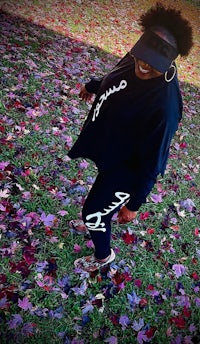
(155, 51)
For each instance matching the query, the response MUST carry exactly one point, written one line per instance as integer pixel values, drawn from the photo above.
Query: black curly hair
(172, 20)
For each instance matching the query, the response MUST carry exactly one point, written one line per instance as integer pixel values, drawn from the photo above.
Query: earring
(172, 66)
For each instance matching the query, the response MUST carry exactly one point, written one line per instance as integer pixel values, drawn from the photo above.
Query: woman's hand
(85, 95)
(125, 215)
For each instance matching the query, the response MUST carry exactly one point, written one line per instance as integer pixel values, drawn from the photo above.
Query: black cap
(155, 51)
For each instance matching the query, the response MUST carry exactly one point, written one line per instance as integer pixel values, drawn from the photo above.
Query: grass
(49, 50)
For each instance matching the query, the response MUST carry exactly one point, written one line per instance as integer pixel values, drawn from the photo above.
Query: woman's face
(144, 71)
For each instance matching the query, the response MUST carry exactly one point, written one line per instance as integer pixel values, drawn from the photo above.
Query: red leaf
(98, 303)
(48, 231)
(143, 303)
(195, 276)
(114, 319)
(175, 227)
(43, 180)
(119, 278)
(194, 261)
(183, 145)
(186, 312)
(178, 321)
(28, 254)
(129, 238)
(145, 215)
(22, 267)
(3, 278)
(150, 332)
(138, 283)
(150, 287)
(1, 176)
(10, 293)
(151, 231)
(188, 177)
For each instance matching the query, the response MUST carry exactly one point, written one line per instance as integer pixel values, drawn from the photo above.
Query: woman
(130, 126)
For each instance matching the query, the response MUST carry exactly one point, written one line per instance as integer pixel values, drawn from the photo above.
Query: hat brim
(150, 56)
(155, 51)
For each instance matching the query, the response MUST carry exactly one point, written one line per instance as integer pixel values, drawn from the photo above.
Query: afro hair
(172, 20)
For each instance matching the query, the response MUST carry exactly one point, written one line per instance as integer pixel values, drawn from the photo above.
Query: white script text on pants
(98, 225)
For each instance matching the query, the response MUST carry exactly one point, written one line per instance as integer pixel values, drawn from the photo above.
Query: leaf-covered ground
(151, 293)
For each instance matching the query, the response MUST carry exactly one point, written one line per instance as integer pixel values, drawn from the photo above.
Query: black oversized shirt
(130, 125)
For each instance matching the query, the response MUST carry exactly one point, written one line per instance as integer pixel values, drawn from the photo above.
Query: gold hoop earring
(172, 77)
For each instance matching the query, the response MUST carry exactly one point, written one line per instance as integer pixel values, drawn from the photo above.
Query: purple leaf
(183, 301)
(89, 244)
(26, 195)
(81, 290)
(187, 204)
(188, 340)
(53, 239)
(141, 337)
(179, 269)
(138, 325)
(64, 282)
(76, 341)
(3, 165)
(57, 314)
(15, 322)
(124, 321)
(28, 329)
(83, 164)
(156, 198)
(25, 304)
(48, 220)
(3, 303)
(87, 308)
(111, 340)
(62, 212)
(40, 266)
(77, 248)
(177, 340)
(133, 299)
(197, 301)
(192, 328)
(66, 201)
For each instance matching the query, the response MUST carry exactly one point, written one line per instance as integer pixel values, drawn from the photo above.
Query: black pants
(110, 191)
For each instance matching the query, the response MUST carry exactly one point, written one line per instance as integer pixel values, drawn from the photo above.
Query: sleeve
(93, 85)
(152, 156)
